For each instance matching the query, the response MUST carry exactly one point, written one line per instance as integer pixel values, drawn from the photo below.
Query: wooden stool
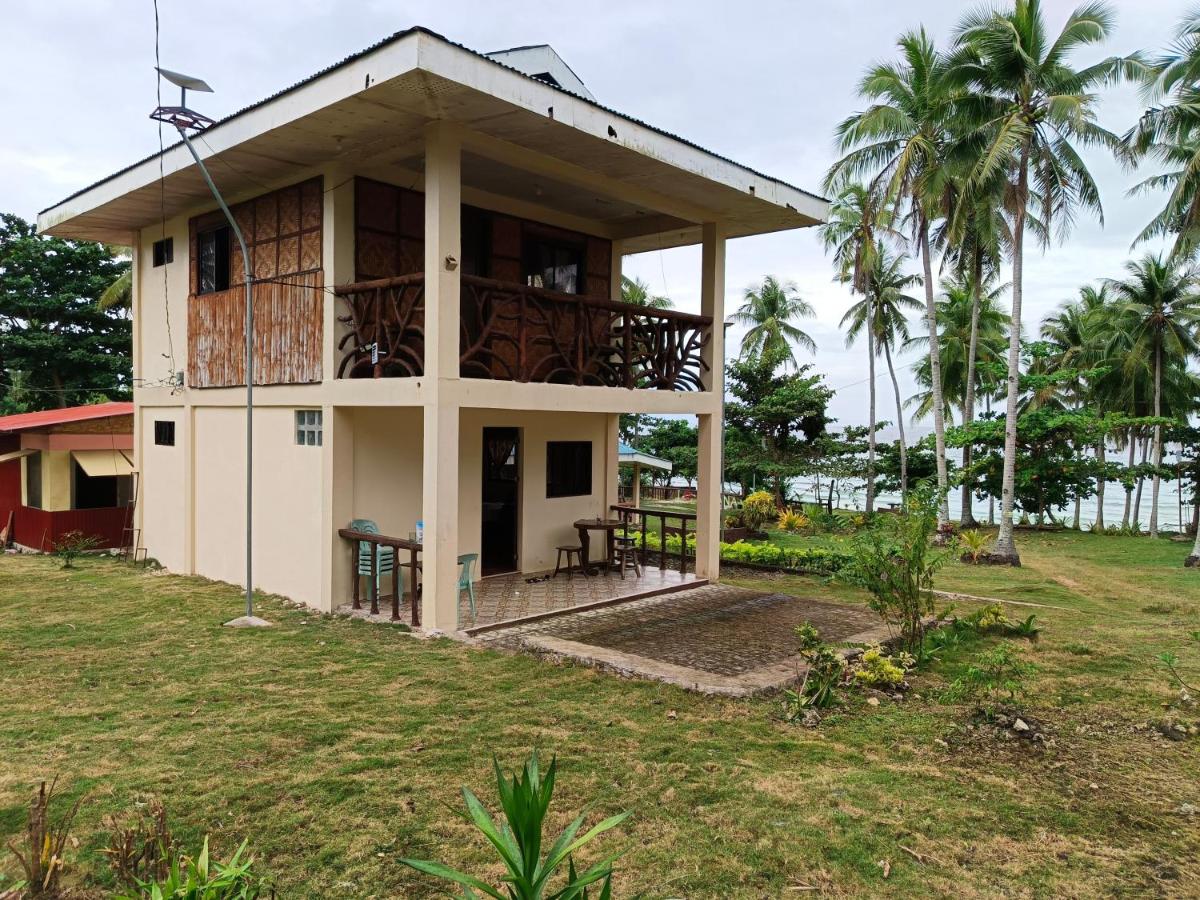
(625, 555)
(568, 549)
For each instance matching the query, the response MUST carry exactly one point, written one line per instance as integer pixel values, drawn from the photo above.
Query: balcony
(512, 332)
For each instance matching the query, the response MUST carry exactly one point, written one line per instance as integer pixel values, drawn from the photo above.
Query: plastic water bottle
(420, 531)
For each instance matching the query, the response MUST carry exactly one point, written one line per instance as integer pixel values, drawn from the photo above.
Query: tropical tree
(850, 233)
(1160, 312)
(1032, 107)
(637, 292)
(1169, 133)
(1076, 333)
(900, 143)
(770, 309)
(885, 305)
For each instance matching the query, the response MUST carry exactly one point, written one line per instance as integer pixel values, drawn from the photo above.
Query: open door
(501, 500)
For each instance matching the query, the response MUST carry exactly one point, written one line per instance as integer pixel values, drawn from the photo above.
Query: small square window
(164, 252)
(568, 468)
(308, 427)
(164, 433)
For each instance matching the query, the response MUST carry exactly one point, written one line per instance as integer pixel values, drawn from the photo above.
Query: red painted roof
(48, 417)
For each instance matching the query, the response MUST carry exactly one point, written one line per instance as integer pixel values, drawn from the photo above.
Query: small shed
(65, 470)
(628, 456)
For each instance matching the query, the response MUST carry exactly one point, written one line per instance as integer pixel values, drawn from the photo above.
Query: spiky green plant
(518, 841)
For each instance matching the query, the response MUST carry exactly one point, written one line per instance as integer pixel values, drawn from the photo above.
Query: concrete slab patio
(715, 639)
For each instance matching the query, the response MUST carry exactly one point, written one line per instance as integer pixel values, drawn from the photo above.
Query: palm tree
(1160, 311)
(960, 317)
(1076, 332)
(637, 292)
(1169, 132)
(883, 305)
(769, 309)
(850, 233)
(900, 143)
(1032, 107)
(119, 294)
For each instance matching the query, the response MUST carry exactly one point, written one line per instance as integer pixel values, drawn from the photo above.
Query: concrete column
(709, 457)
(337, 255)
(337, 424)
(637, 484)
(614, 278)
(612, 461)
(337, 503)
(440, 462)
(187, 441)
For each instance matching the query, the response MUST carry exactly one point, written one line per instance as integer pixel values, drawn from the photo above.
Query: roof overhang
(634, 182)
(636, 457)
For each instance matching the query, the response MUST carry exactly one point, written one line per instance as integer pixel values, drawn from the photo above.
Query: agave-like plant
(518, 840)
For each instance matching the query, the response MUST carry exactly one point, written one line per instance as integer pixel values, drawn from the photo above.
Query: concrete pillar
(612, 461)
(337, 424)
(711, 425)
(440, 462)
(337, 504)
(614, 277)
(637, 484)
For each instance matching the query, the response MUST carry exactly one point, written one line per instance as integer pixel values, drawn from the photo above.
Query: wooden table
(397, 545)
(609, 527)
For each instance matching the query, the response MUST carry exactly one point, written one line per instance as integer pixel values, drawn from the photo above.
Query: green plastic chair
(385, 559)
(467, 563)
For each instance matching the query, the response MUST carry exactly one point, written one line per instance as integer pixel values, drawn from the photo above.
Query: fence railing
(635, 519)
(515, 332)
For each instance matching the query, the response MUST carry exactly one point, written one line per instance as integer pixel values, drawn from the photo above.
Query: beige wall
(287, 502)
(544, 522)
(387, 468)
(57, 471)
(163, 490)
(161, 309)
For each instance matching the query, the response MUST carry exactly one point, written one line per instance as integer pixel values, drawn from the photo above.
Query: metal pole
(249, 371)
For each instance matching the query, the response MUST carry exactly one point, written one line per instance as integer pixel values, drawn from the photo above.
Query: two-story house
(437, 240)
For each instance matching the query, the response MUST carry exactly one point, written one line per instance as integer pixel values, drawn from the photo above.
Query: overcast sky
(764, 83)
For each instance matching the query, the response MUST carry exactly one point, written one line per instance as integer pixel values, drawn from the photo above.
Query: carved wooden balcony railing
(386, 328)
(512, 332)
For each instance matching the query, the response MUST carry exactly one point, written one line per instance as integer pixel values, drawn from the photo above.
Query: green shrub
(518, 841)
(72, 545)
(974, 544)
(825, 669)
(878, 668)
(821, 560)
(999, 672)
(791, 521)
(199, 878)
(757, 509)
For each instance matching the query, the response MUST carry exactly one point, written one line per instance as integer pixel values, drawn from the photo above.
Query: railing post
(642, 517)
(355, 579)
(416, 607)
(522, 336)
(377, 301)
(374, 578)
(662, 542)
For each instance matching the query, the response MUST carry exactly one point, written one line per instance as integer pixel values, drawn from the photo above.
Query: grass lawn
(334, 746)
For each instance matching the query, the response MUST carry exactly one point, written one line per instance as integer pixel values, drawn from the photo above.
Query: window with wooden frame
(554, 264)
(568, 468)
(164, 433)
(282, 231)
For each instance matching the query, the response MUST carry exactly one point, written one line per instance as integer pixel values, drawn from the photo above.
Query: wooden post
(356, 580)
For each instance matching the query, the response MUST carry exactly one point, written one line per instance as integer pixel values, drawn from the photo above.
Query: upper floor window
(554, 265)
(163, 252)
(212, 260)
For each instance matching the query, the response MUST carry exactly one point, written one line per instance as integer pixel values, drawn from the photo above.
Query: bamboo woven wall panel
(288, 331)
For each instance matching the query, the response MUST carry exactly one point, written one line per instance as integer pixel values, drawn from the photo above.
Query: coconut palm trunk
(1101, 480)
(966, 516)
(871, 402)
(1137, 496)
(935, 372)
(1006, 547)
(1129, 484)
(1155, 483)
(887, 352)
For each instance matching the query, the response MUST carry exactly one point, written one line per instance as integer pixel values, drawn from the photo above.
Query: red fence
(41, 529)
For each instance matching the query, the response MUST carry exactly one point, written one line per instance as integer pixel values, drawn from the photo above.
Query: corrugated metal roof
(418, 29)
(49, 417)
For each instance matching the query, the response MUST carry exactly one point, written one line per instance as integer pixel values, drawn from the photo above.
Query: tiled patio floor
(501, 598)
(714, 638)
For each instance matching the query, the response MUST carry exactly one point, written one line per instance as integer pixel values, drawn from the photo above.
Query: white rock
(1019, 725)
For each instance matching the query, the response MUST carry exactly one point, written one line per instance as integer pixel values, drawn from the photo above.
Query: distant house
(65, 470)
(437, 239)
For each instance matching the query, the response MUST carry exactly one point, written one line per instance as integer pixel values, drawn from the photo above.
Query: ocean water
(1170, 513)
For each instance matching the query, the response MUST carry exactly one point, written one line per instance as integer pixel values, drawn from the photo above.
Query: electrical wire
(162, 197)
